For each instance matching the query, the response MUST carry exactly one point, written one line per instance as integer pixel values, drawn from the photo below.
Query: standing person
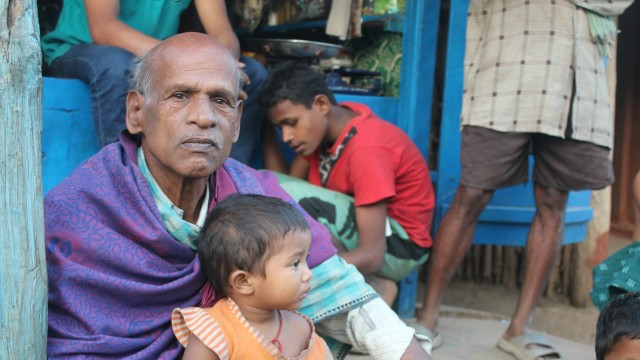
(121, 230)
(96, 40)
(367, 181)
(259, 270)
(534, 82)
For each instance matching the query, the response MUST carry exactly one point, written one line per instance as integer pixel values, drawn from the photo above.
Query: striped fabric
(197, 321)
(337, 287)
(224, 329)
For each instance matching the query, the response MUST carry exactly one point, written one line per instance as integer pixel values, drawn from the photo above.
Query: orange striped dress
(224, 330)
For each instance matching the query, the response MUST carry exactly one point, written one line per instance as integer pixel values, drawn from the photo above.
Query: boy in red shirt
(379, 202)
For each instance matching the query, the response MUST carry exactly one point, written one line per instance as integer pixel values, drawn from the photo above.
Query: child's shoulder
(297, 322)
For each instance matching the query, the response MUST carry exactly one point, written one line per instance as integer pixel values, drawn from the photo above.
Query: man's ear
(321, 103)
(135, 105)
(241, 282)
(236, 130)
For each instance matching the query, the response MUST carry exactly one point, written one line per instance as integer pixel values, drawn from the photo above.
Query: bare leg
(387, 288)
(543, 245)
(449, 247)
(415, 351)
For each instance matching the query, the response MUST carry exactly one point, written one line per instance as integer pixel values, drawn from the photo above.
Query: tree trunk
(23, 270)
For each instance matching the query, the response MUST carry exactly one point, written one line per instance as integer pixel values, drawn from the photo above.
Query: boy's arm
(272, 157)
(368, 257)
(299, 168)
(107, 29)
(196, 350)
(213, 15)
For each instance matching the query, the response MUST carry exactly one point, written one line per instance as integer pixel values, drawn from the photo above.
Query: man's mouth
(200, 143)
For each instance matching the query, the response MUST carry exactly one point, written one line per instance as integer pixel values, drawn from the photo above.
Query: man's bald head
(145, 67)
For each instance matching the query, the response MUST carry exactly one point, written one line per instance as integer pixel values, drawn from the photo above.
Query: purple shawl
(115, 273)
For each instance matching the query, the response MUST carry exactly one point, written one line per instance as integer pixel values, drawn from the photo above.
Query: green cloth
(603, 31)
(156, 18)
(617, 274)
(339, 218)
(183, 231)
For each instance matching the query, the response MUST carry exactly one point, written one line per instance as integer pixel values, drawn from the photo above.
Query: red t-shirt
(380, 162)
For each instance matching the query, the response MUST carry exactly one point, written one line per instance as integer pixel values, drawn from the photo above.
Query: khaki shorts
(493, 160)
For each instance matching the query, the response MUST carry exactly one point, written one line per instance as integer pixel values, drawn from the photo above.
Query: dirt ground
(553, 316)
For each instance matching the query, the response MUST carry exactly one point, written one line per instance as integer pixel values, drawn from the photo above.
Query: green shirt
(156, 18)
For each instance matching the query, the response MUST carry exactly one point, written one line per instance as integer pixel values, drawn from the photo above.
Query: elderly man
(120, 230)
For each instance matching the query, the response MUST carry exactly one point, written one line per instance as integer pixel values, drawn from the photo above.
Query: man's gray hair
(140, 78)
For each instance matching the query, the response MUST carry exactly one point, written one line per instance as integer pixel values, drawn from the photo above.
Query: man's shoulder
(104, 166)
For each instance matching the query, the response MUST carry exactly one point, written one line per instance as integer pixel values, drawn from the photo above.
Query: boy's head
(243, 232)
(298, 101)
(618, 329)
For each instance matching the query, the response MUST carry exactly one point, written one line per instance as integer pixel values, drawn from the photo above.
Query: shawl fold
(115, 273)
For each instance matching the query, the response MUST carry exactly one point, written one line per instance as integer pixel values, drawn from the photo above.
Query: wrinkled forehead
(206, 63)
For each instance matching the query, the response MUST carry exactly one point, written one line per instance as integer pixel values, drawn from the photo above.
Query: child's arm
(271, 156)
(196, 350)
(299, 168)
(368, 257)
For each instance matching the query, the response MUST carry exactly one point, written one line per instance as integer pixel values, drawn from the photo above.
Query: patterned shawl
(115, 273)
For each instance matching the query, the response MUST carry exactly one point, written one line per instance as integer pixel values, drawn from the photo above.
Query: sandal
(423, 333)
(529, 347)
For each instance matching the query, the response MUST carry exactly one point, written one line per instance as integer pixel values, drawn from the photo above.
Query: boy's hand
(245, 81)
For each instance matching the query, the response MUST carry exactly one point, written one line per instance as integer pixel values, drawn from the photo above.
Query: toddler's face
(625, 350)
(287, 274)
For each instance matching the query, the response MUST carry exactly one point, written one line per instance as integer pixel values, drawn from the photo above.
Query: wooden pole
(23, 269)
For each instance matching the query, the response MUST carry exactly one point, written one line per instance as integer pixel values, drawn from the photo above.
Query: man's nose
(202, 112)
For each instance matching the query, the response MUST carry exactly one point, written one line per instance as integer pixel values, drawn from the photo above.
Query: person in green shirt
(96, 40)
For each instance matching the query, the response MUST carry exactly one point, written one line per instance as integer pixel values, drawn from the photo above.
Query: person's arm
(299, 168)
(368, 257)
(636, 206)
(271, 155)
(196, 350)
(106, 29)
(213, 15)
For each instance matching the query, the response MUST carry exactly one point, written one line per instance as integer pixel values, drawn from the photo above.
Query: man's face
(303, 129)
(191, 118)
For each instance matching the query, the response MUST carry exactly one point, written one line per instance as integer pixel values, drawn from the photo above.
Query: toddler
(253, 250)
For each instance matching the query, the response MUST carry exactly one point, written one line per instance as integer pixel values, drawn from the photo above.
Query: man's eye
(221, 101)
(179, 95)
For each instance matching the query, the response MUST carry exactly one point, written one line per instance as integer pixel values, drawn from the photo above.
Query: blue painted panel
(68, 136)
(385, 107)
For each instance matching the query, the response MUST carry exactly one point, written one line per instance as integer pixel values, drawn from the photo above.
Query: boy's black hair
(295, 82)
(619, 321)
(240, 234)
